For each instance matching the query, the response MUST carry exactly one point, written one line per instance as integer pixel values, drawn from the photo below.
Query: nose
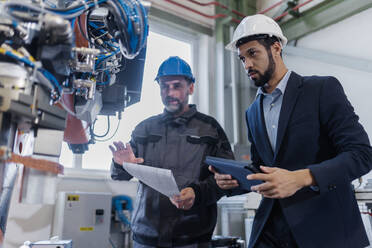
(170, 90)
(248, 64)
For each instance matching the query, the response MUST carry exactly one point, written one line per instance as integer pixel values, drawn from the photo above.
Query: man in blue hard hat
(179, 139)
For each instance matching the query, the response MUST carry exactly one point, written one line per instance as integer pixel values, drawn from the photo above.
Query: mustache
(169, 99)
(252, 71)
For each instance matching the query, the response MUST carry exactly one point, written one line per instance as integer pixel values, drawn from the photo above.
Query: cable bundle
(130, 17)
(43, 76)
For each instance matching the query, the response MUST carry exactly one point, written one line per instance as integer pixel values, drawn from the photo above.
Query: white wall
(351, 39)
(278, 10)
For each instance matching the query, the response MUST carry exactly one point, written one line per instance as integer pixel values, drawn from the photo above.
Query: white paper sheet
(159, 179)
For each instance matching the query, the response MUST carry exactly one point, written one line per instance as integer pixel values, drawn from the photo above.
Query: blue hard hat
(175, 66)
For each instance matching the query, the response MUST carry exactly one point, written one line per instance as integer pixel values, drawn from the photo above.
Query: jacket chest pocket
(202, 145)
(192, 157)
(207, 140)
(148, 148)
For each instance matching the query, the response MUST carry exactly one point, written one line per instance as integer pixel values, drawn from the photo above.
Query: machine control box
(52, 244)
(83, 217)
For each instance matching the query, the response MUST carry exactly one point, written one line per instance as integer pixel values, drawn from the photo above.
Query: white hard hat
(255, 25)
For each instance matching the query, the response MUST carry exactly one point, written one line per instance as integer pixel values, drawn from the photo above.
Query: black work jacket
(181, 145)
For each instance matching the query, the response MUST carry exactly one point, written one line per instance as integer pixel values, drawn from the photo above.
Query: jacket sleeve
(353, 151)
(207, 191)
(117, 170)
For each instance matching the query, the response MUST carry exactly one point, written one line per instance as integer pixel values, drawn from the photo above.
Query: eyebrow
(174, 83)
(249, 50)
(173, 80)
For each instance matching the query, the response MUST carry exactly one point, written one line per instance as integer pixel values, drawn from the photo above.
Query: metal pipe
(294, 8)
(195, 11)
(234, 94)
(200, 13)
(237, 12)
(271, 7)
(234, 11)
(77, 161)
(219, 5)
(8, 172)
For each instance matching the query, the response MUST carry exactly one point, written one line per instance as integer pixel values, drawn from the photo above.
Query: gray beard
(174, 109)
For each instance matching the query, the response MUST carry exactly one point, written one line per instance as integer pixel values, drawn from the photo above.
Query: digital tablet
(237, 169)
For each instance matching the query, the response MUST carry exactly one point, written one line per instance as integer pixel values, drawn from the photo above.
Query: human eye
(252, 53)
(163, 86)
(242, 59)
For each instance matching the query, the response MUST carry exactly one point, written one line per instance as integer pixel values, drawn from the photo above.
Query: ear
(191, 88)
(276, 49)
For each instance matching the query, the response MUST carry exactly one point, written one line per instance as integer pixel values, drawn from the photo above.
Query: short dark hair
(264, 39)
(188, 80)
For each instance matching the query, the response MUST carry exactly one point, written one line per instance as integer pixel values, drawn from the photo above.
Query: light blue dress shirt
(271, 104)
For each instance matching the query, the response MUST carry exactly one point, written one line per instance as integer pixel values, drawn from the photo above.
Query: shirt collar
(168, 117)
(281, 86)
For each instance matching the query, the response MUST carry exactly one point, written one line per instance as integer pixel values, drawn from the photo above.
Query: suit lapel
(257, 125)
(290, 97)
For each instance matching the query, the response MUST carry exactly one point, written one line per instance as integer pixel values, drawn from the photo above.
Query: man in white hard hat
(307, 142)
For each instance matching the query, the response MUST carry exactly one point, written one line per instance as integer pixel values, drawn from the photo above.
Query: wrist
(196, 189)
(116, 164)
(307, 179)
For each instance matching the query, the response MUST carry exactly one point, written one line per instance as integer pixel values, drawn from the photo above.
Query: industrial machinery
(62, 63)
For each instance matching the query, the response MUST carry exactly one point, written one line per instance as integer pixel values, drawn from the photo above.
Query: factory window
(98, 157)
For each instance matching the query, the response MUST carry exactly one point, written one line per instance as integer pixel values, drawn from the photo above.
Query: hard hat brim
(232, 45)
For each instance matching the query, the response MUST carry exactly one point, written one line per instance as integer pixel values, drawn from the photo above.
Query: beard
(264, 78)
(173, 108)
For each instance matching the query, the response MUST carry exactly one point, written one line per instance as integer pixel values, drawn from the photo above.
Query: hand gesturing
(124, 153)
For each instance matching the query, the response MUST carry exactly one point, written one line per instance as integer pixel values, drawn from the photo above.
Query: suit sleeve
(207, 191)
(353, 151)
(255, 158)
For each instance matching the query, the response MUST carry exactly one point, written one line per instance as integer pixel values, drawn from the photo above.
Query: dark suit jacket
(319, 130)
